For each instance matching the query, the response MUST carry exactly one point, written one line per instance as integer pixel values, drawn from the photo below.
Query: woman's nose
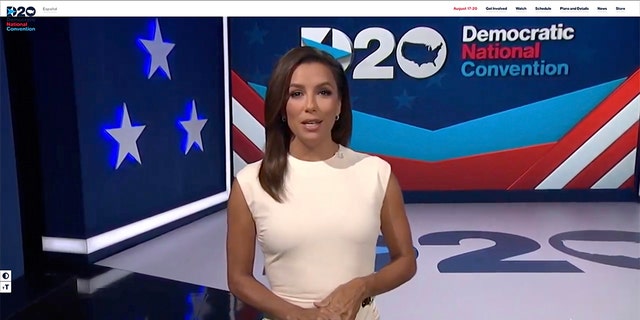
(311, 104)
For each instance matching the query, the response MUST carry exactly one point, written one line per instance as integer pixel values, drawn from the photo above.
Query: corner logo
(330, 40)
(19, 12)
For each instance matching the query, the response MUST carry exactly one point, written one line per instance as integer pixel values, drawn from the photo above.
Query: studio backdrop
(468, 109)
(132, 127)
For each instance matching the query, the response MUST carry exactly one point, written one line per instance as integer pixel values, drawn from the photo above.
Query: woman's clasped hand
(342, 304)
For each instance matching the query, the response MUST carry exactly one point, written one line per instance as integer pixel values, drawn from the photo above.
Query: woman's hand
(313, 314)
(346, 300)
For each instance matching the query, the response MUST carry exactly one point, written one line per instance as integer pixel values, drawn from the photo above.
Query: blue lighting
(113, 149)
(147, 60)
(113, 153)
(193, 313)
(151, 27)
(187, 117)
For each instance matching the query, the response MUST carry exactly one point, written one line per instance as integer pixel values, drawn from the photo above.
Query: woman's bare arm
(397, 235)
(241, 238)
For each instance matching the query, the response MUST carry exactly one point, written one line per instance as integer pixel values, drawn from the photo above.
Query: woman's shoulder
(365, 159)
(249, 172)
(372, 166)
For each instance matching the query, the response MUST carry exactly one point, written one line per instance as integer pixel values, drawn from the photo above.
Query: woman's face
(313, 103)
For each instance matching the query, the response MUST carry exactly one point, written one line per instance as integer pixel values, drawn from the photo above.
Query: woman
(315, 206)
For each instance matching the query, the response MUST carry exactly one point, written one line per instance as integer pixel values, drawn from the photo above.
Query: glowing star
(127, 137)
(193, 126)
(159, 51)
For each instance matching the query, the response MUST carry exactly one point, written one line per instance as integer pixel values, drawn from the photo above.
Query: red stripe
(605, 161)
(244, 147)
(629, 184)
(492, 171)
(247, 97)
(580, 133)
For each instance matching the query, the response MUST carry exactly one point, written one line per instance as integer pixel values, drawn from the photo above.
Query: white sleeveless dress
(324, 233)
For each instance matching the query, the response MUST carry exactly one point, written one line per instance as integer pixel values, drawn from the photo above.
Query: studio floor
(524, 261)
(537, 261)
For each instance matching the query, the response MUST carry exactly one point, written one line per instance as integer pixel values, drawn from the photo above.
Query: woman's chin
(312, 138)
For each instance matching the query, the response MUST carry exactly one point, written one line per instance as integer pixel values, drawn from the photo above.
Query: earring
(284, 119)
(337, 117)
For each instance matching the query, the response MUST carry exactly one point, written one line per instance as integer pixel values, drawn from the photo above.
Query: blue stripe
(536, 123)
(540, 122)
(260, 90)
(382, 250)
(335, 53)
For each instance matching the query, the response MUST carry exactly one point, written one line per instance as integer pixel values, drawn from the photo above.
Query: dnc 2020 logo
(420, 53)
(21, 11)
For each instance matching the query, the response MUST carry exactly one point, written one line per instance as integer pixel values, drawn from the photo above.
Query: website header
(28, 9)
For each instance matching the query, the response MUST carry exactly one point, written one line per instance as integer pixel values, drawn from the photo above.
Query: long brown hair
(277, 132)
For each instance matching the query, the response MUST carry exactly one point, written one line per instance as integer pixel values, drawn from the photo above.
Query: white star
(127, 137)
(159, 51)
(194, 129)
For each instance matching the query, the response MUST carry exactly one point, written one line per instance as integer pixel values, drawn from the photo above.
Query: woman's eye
(296, 94)
(325, 92)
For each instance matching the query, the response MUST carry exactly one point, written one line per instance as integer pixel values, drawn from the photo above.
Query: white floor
(196, 254)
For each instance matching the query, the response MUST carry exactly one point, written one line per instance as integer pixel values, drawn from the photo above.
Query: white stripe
(65, 245)
(248, 125)
(618, 174)
(238, 163)
(104, 240)
(227, 110)
(587, 152)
